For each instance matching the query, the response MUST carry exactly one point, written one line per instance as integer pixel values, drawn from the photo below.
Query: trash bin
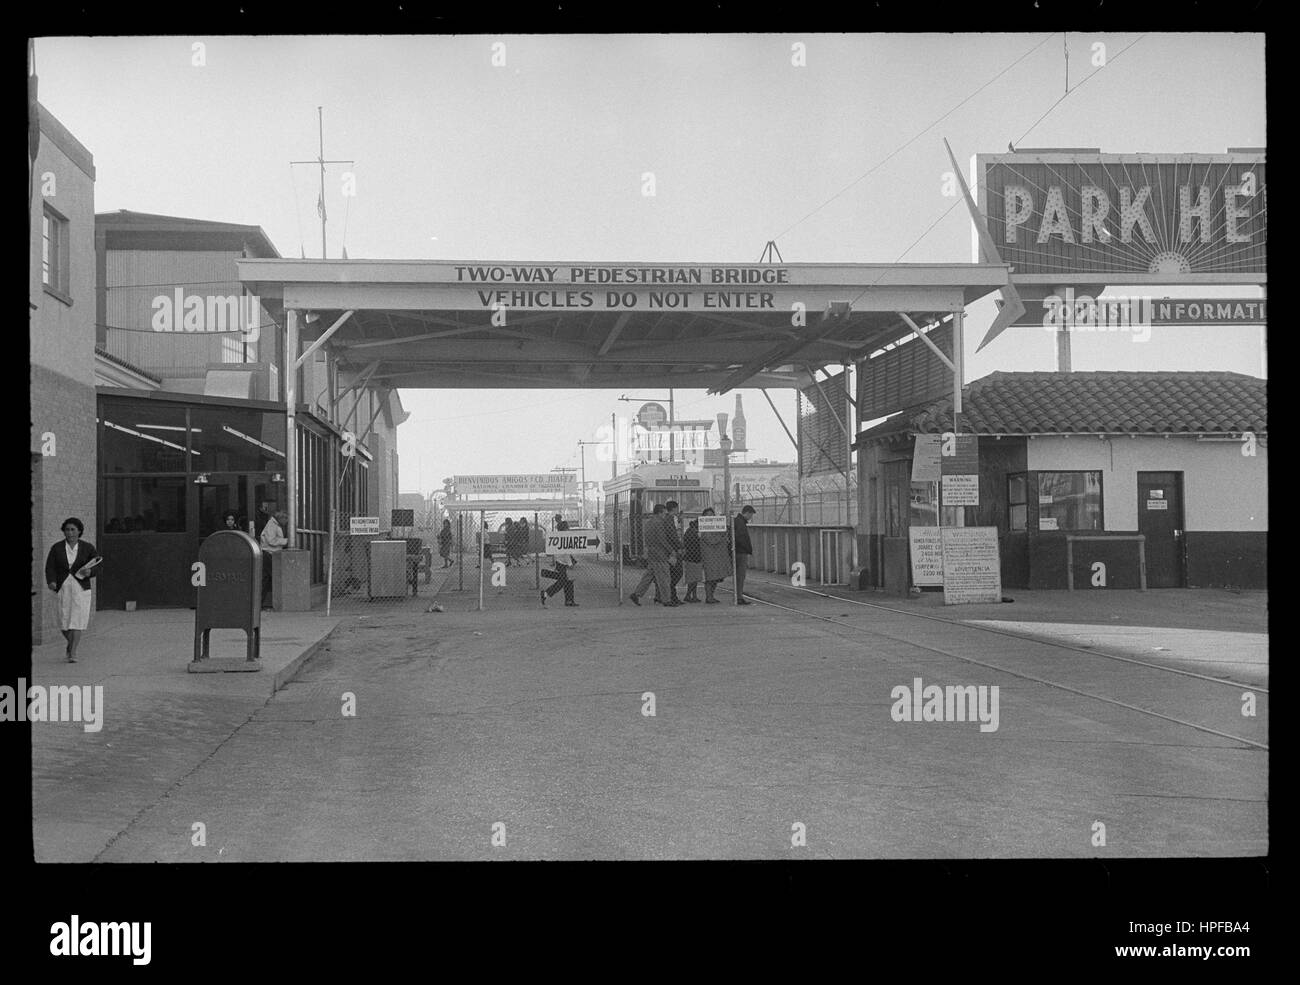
(387, 568)
(290, 580)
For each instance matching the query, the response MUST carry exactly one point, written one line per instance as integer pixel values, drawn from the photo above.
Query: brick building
(61, 298)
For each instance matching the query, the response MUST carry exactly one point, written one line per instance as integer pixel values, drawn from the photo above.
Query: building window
(142, 436)
(54, 252)
(133, 505)
(235, 349)
(1069, 501)
(236, 439)
(1017, 502)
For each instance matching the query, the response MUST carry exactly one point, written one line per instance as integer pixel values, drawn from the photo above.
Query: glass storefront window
(144, 505)
(1069, 501)
(142, 436)
(236, 439)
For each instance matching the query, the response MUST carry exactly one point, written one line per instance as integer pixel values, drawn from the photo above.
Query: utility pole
(320, 160)
(670, 424)
(582, 445)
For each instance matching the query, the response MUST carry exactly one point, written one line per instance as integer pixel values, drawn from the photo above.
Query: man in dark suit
(659, 551)
(744, 548)
(675, 542)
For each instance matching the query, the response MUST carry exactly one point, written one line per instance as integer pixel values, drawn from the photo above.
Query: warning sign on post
(972, 566)
(959, 460)
(713, 525)
(573, 542)
(926, 545)
(961, 490)
(364, 525)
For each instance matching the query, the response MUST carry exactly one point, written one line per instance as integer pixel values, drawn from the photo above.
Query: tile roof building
(1180, 458)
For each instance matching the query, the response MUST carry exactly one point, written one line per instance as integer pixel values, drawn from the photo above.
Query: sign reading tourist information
(573, 542)
(713, 525)
(365, 524)
(926, 545)
(972, 567)
(500, 485)
(1083, 216)
(1079, 310)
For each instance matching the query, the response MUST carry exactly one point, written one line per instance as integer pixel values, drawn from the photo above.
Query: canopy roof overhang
(484, 324)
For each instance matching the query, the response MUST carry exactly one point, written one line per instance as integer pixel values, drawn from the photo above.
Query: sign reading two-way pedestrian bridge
(573, 542)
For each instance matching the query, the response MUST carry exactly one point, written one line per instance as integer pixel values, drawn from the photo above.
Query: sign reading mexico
(1064, 214)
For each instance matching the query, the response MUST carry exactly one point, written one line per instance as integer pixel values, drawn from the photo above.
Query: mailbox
(231, 596)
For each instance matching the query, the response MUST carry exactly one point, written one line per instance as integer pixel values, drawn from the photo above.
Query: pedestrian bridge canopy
(488, 324)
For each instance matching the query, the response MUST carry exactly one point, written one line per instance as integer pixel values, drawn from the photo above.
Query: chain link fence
(820, 507)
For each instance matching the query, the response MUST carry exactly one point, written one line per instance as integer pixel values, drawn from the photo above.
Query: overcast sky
(542, 159)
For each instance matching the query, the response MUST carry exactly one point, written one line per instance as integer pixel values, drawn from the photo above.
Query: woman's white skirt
(74, 605)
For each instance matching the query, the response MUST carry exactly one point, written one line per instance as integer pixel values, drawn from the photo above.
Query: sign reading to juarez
(584, 541)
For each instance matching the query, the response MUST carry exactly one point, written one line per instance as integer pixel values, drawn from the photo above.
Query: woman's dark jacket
(56, 564)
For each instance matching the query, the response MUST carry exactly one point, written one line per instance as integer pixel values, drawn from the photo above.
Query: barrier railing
(826, 550)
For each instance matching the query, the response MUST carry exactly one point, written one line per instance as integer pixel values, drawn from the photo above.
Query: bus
(634, 495)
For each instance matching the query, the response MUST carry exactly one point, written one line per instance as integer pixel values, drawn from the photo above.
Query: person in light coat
(69, 567)
(273, 539)
(714, 558)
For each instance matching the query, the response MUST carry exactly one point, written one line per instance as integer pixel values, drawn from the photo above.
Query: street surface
(525, 727)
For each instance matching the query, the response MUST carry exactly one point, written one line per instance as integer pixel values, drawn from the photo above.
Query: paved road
(533, 722)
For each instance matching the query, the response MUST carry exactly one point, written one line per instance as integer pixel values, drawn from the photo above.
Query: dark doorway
(223, 493)
(1160, 518)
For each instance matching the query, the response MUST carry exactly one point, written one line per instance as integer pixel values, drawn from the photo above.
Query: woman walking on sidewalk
(68, 569)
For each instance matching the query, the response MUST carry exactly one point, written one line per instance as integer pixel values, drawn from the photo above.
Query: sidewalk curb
(291, 669)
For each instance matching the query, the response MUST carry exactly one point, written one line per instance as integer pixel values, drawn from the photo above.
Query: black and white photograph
(388, 392)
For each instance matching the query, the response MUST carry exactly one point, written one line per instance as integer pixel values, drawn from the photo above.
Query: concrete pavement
(525, 733)
(1222, 632)
(159, 721)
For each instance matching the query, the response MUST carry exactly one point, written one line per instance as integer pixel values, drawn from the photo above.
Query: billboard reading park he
(1060, 217)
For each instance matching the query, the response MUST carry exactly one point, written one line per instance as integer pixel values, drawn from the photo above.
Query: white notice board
(961, 490)
(365, 524)
(926, 545)
(713, 525)
(926, 458)
(972, 566)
